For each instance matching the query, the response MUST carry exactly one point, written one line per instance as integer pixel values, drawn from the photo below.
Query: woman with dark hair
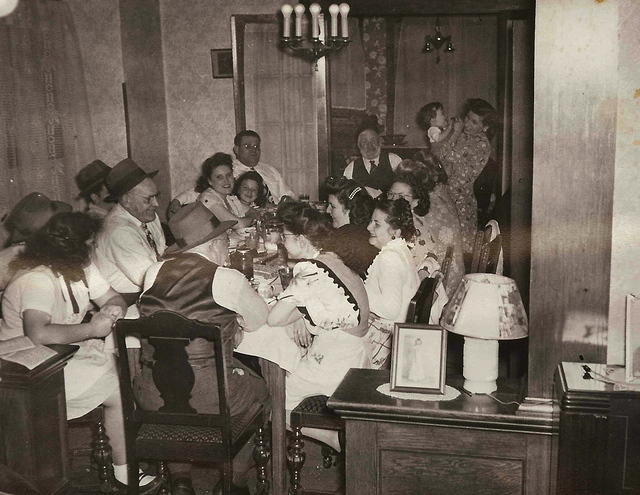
(215, 185)
(434, 215)
(464, 156)
(324, 311)
(350, 207)
(47, 301)
(392, 278)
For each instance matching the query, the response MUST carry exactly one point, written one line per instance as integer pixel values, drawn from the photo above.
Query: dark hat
(92, 176)
(123, 177)
(194, 224)
(30, 214)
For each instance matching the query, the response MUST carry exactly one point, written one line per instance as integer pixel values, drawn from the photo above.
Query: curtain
(280, 106)
(347, 69)
(469, 72)
(45, 127)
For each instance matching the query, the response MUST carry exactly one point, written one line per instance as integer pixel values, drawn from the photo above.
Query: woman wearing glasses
(324, 312)
(434, 216)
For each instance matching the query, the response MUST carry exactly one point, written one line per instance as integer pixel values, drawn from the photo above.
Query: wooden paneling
(360, 469)
(574, 154)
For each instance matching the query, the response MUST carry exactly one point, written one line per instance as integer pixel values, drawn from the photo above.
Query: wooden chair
(99, 451)
(176, 431)
(420, 306)
(486, 251)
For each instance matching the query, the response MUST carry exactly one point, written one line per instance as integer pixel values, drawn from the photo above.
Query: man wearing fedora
(90, 182)
(192, 282)
(28, 216)
(131, 239)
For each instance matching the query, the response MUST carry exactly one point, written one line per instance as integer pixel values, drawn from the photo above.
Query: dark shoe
(148, 489)
(182, 486)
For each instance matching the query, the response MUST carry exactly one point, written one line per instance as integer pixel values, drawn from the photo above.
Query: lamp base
(480, 365)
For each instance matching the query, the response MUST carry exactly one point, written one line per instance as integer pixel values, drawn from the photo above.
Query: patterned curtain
(45, 126)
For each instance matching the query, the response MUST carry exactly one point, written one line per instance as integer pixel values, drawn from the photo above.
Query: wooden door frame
(321, 97)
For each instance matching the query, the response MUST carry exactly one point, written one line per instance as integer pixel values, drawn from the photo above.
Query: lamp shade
(486, 306)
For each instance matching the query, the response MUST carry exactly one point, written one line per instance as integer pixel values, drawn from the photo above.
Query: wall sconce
(319, 45)
(436, 42)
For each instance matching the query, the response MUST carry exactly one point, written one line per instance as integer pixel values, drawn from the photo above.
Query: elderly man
(246, 146)
(374, 169)
(93, 192)
(131, 239)
(192, 282)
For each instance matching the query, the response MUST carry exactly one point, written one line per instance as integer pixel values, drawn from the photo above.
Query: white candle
(314, 9)
(334, 10)
(321, 26)
(299, 10)
(286, 10)
(344, 11)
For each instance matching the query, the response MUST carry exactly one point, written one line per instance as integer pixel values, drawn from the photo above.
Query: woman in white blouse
(47, 301)
(215, 186)
(392, 278)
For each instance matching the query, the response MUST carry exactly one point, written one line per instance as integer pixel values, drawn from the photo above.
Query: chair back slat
(169, 333)
(420, 305)
(445, 268)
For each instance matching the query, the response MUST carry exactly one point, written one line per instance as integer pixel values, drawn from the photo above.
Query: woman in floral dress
(464, 156)
(423, 185)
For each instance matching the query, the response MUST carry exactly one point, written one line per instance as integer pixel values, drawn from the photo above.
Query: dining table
(265, 278)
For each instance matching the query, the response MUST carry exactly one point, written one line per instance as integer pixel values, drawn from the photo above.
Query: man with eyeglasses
(246, 147)
(131, 238)
(374, 169)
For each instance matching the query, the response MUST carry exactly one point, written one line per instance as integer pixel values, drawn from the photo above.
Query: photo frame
(419, 359)
(222, 63)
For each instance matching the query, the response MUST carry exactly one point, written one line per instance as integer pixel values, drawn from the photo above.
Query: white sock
(122, 475)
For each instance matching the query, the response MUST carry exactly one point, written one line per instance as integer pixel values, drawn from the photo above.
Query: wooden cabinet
(33, 421)
(599, 442)
(466, 445)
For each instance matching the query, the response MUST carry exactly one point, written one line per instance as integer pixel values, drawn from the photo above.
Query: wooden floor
(316, 479)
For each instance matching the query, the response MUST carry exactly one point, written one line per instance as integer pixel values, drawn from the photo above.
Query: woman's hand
(101, 325)
(112, 311)
(301, 336)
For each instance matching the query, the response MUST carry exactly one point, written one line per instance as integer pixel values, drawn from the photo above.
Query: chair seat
(313, 412)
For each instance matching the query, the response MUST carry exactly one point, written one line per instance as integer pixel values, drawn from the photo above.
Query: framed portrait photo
(419, 359)
(221, 63)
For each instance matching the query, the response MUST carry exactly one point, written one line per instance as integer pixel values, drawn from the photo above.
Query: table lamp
(485, 308)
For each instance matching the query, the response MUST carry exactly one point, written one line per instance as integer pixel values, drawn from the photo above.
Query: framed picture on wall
(419, 359)
(221, 63)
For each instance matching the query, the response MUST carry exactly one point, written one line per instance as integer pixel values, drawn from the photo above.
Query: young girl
(432, 118)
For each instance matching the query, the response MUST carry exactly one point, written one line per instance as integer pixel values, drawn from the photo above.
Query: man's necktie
(151, 240)
(373, 167)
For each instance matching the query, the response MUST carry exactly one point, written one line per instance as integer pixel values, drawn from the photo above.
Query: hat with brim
(30, 214)
(194, 224)
(92, 176)
(123, 177)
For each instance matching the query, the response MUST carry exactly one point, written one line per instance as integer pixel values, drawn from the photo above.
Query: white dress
(90, 375)
(333, 302)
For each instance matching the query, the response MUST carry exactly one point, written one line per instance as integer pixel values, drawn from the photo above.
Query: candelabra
(319, 45)
(436, 41)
